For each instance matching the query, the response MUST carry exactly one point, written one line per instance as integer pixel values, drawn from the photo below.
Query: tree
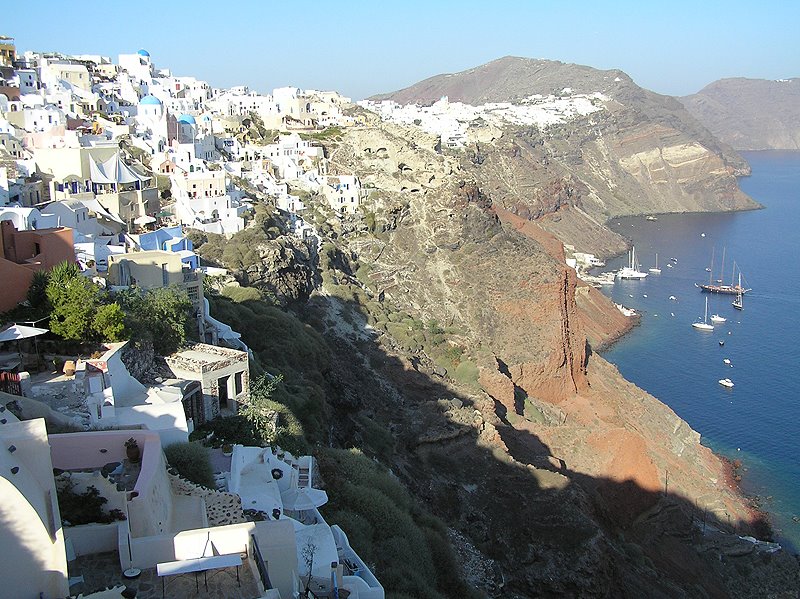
(259, 410)
(75, 301)
(159, 315)
(308, 552)
(37, 292)
(109, 323)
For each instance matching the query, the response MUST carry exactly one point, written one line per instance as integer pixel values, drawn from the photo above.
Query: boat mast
(722, 266)
(711, 269)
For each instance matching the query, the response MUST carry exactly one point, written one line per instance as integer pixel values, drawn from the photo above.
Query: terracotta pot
(69, 368)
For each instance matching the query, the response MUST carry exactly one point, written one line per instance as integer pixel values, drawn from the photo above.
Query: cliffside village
(105, 164)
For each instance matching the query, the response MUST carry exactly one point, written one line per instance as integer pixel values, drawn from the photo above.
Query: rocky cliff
(750, 114)
(639, 152)
(564, 478)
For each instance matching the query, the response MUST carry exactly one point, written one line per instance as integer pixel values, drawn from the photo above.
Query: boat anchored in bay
(655, 270)
(718, 286)
(632, 270)
(704, 326)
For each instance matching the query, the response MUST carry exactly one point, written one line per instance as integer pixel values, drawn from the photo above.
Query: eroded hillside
(637, 152)
(542, 459)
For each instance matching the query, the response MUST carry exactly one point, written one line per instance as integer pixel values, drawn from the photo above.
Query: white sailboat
(655, 270)
(738, 303)
(632, 270)
(704, 326)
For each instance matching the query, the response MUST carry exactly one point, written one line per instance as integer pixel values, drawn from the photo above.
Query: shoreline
(761, 521)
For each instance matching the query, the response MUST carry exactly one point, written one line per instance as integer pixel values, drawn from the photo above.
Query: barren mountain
(640, 153)
(750, 114)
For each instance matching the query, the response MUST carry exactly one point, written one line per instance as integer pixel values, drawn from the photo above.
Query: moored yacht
(704, 326)
(632, 270)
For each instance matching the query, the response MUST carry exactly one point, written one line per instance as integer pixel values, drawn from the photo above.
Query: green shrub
(376, 437)
(109, 323)
(229, 430)
(192, 462)
(84, 508)
(532, 413)
(242, 294)
(466, 373)
(388, 528)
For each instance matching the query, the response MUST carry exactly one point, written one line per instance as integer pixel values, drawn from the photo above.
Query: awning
(18, 331)
(98, 209)
(113, 170)
(144, 220)
(303, 498)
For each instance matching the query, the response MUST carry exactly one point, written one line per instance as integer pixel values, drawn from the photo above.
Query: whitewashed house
(201, 200)
(343, 193)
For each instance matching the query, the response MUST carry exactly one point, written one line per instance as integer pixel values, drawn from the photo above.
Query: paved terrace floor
(102, 570)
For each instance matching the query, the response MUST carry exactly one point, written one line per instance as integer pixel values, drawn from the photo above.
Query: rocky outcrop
(286, 269)
(750, 114)
(570, 479)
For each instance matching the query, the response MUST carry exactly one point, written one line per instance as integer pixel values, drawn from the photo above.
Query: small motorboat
(673, 298)
(726, 383)
(675, 260)
(717, 318)
(721, 343)
(669, 265)
(726, 361)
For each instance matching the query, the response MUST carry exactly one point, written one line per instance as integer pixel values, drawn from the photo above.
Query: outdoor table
(199, 564)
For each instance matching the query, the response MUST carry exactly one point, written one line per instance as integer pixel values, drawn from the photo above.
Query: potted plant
(132, 450)
(227, 449)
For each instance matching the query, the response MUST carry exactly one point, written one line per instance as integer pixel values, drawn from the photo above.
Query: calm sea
(758, 420)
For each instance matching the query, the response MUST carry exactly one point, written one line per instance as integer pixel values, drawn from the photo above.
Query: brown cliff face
(556, 457)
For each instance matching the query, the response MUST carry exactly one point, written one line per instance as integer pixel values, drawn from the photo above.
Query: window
(164, 274)
(238, 382)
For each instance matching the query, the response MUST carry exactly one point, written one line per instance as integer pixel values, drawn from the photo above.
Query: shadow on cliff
(550, 529)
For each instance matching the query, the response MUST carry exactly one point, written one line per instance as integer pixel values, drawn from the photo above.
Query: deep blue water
(758, 420)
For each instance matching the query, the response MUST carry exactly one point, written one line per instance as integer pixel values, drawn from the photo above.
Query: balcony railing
(260, 564)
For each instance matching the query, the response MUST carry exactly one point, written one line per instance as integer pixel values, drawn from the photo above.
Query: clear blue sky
(363, 48)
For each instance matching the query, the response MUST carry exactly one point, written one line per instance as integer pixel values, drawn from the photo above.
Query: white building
(138, 65)
(35, 562)
(76, 75)
(343, 193)
(27, 219)
(202, 202)
(28, 81)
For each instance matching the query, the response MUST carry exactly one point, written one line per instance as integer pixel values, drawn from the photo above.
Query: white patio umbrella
(144, 220)
(17, 332)
(303, 498)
